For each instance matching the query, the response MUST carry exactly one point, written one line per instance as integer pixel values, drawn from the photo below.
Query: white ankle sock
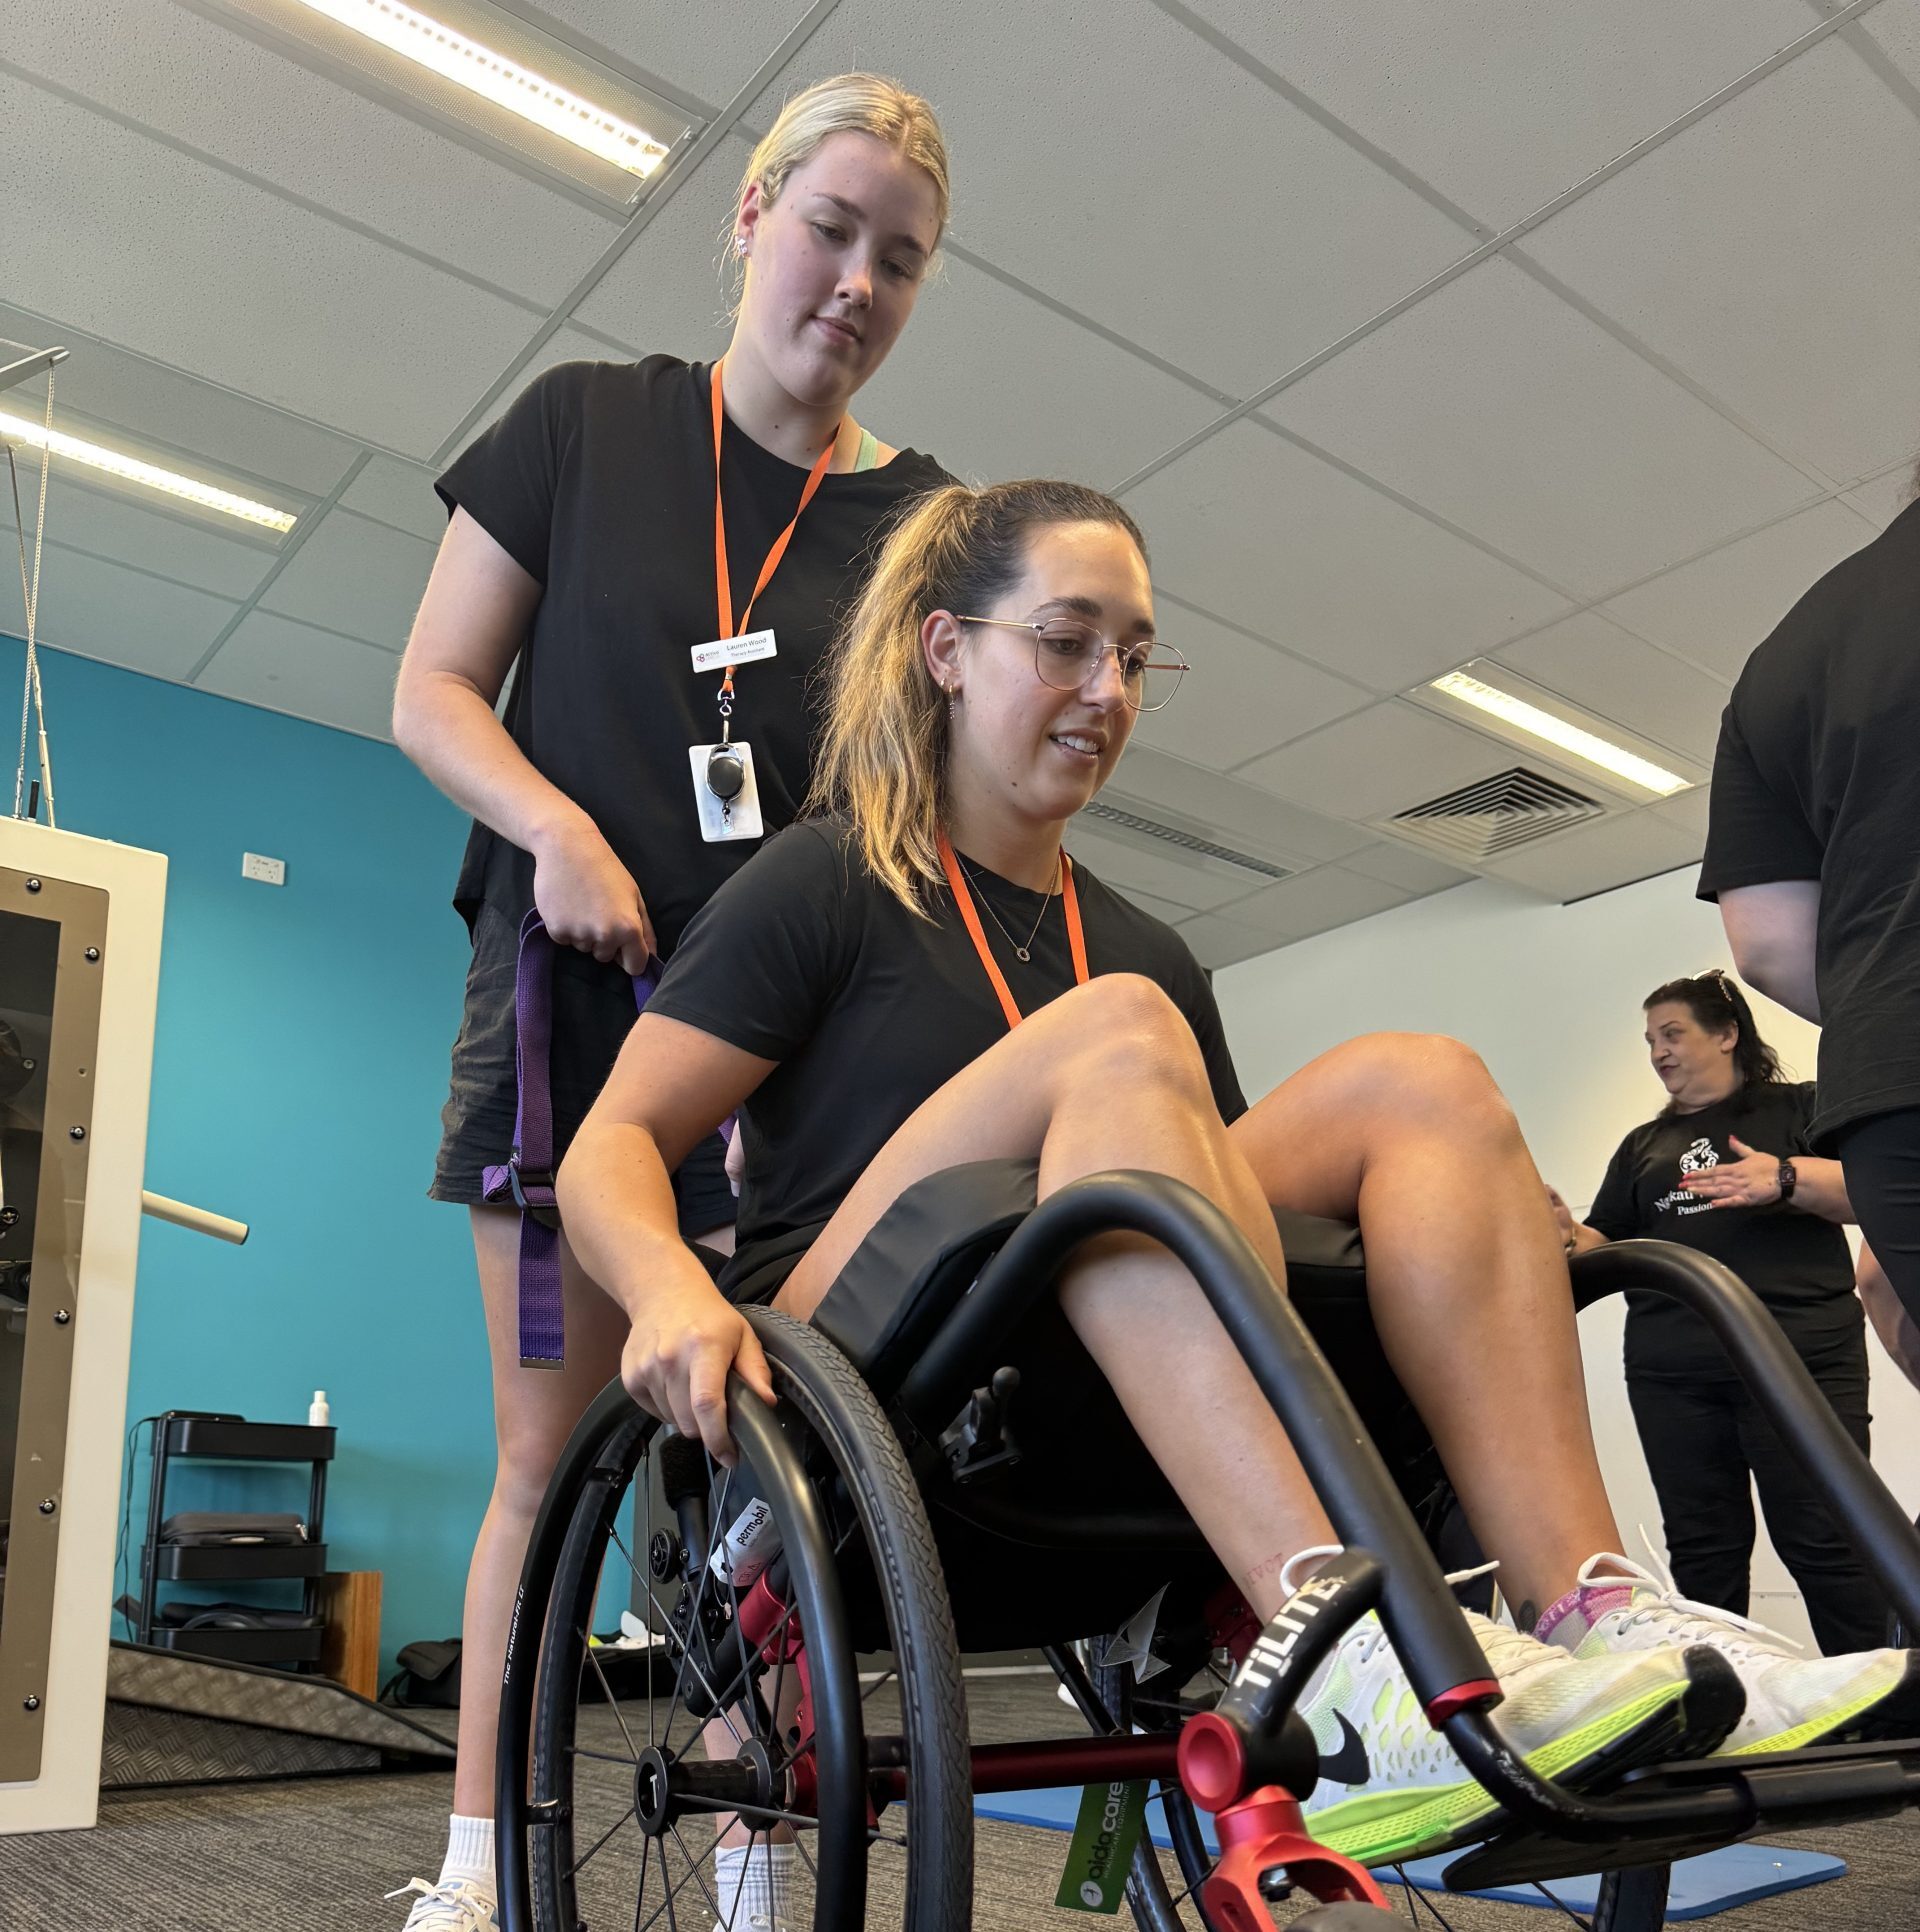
(760, 1873)
(469, 1852)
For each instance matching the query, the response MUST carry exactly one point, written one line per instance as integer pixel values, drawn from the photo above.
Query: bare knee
(529, 1451)
(1123, 1029)
(1426, 1076)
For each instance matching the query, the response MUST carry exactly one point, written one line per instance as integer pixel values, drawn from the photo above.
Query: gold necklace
(1022, 953)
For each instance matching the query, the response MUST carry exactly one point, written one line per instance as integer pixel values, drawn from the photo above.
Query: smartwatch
(1789, 1180)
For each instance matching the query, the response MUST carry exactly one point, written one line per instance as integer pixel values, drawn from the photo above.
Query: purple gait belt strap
(527, 1178)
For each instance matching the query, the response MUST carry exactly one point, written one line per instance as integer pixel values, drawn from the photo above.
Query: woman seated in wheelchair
(852, 993)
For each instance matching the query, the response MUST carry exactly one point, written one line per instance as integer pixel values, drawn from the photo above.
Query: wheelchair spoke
(580, 1864)
(693, 1865)
(1416, 1898)
(666, 1624)
(1552, 1898)
(640, 1891)
(602, 1757)
(606, 1690)
(884, 1677)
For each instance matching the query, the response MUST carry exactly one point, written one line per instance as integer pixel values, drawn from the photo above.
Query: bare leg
(534, 1410)
(1468, 1285)
(1109, 1076)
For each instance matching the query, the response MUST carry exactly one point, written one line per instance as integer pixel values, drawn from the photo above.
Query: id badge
(734, 650)
(724, 819)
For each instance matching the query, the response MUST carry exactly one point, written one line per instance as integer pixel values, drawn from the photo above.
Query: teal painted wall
(299, 1067)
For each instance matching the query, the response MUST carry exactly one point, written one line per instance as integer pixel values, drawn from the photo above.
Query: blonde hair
(847, 104)
(883, 753)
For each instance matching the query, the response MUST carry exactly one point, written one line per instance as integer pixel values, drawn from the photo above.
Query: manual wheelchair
(891, 1466)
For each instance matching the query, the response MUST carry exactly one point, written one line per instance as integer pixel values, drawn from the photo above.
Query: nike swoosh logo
(1350, 1764)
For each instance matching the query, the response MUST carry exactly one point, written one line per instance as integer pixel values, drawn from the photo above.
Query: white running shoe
(1618, 1606)
(1390, 1785)
(454, 1905)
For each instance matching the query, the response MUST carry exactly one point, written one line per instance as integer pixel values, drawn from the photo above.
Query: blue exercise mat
(1713, 1882)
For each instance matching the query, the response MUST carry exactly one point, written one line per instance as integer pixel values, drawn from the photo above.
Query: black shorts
(593, 1012)
(1077, 1447)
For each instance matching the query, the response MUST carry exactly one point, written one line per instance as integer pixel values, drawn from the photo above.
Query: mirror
(29, 952)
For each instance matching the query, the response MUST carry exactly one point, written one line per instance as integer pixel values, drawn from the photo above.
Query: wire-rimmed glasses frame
(1067, 654)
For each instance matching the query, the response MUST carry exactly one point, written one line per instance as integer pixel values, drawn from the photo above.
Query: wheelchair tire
(834, 1444)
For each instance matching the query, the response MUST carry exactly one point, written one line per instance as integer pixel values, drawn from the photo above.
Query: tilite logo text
(1295, 1617)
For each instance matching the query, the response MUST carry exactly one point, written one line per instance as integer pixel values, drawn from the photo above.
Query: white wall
(1550, 998)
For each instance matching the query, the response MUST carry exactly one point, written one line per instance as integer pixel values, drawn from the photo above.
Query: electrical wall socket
(267, 871)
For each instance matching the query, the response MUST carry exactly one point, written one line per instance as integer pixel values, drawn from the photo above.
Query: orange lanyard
(1076, 939)
(724, 585)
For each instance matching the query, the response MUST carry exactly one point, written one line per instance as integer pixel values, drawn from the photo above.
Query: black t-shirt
(1817, 777)
(599, 482)
(804, 958)
(1797, 1263)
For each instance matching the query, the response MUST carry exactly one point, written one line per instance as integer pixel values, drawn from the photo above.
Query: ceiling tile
(1162, 909)
(356, 576)
(1242, 696)
(1597, 857)
(166, 409)
(121, 616)
(125, 528)
(951, 388)
(1881, 498)
(1501, 107)
(1400, 865)
(1227, 809)
(1466, 401)
(1753, 250)
(1894, 26)
(201, 82)
(1235, 286)
(306, 673)
(400, 494)
(1328, 896)
(1717, 608)
(1687, 811)
(1179, 878)
(223, 279)
(708, 56)
(1218, 940)
(1289, 547)
(671, 289)
(1617, 676)
(1383, 761)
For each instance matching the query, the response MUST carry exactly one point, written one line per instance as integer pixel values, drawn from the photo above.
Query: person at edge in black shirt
(1726, 1168)
(1813, 852)
(983, 690)
(581, 554)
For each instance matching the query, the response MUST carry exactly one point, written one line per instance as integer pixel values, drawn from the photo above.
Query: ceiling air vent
(1152, 828)
(1482, 820)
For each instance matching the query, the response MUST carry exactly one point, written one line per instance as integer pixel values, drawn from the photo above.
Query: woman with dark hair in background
(1725, 1168)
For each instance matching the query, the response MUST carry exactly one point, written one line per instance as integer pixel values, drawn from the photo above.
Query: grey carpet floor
(316, 1857)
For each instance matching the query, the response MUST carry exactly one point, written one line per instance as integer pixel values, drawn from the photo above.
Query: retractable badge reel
(723, 785)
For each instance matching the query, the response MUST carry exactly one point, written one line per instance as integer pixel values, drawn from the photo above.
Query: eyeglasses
(1068, 655)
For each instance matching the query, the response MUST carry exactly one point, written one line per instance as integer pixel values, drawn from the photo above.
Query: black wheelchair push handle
(1770, 1366)
(1430, 1635)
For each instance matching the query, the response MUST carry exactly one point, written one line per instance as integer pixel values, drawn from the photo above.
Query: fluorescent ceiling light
(1520, 715)
(130, 469)
(482, 70)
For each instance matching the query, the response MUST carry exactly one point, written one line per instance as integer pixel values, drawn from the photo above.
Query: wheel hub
(665, 1787)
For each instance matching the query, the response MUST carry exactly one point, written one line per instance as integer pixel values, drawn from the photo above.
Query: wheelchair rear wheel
(624, 1800)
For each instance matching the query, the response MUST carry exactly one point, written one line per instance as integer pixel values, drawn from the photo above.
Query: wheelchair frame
(1245, 1760)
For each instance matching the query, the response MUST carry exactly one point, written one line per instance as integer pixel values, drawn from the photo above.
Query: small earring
(740, 245)
(953, 702)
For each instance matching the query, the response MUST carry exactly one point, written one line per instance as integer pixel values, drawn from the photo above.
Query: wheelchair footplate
(1782, 1791)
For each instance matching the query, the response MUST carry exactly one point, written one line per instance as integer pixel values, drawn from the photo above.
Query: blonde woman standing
(610, 536)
